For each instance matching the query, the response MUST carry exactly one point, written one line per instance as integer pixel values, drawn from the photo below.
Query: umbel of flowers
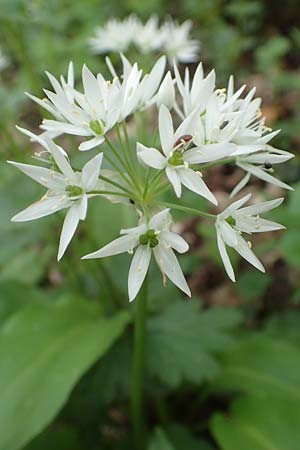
(197, 125)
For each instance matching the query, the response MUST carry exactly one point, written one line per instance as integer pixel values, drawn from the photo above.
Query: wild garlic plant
(198, 126)
(208, 126)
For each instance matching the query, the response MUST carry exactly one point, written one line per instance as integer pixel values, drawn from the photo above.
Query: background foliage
(223, 371)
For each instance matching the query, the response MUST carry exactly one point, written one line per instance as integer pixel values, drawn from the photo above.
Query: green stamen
(230, 220)
(176, 159)
(97, 126)
(74, 191)
(149, 238)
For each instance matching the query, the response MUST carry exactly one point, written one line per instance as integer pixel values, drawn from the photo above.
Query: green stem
(137, 393)
(186, 209)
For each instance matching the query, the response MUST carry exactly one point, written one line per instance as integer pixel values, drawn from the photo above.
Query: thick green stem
(137, 393)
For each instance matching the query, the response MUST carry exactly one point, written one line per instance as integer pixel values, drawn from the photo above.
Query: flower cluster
(170, 38)
(198, 126)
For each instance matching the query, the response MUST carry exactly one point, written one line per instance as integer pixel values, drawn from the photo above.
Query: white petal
(61, 160)
(174, 241)
(169, 265)
(229, 235)
(174, 180)
(244, 250)
(92, 143)
(225, 257)
(46, 177)
(90, 172)
(166, 92)
(166, 130)
(151, 157)
(42, 208)
(91, 88)
(188, 126)
(207, 153)
(241, 184)
(68, 229)
(260, 173)
(261, 207)
(138, 270)
(120, 245)
(252, 224)
(234, 206)
(161, 220)
(194, 182)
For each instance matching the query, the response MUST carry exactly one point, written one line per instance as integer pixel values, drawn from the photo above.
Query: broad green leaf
(256, 424)
(182, 342)
(44, 350)
(160, 441)
(262, 366)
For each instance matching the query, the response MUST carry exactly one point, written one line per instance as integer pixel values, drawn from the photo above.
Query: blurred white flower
(177, 44)
(149, 37)
(152, 236)
(171, 38)
(66, 189)
(234, 221)
(115, 36)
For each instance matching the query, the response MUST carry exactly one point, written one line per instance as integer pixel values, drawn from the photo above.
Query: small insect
(186, 138)
(268, 165)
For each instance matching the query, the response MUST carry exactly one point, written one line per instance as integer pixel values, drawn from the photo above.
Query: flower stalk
(138, 369)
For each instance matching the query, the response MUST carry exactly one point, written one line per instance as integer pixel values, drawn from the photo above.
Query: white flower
(66, 189)
(154, 236)
(261, 165)
(93, 113)
(234, 221)
(149, 37)
(197, 93)
(115, 36)
(175, 159)
(177, 43)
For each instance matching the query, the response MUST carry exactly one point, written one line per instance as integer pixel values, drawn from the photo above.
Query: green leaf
(182, 342)
(262, 366)
(160, 441)
(44, 350)
(256, 424)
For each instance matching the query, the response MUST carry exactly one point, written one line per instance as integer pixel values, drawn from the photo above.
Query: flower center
(73, 191)
(230, 220)
(176, 159)
(97, 126)
(150, 238)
